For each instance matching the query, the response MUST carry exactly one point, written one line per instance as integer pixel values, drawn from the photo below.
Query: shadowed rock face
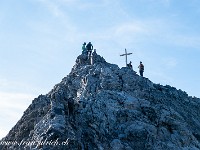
(99, 106)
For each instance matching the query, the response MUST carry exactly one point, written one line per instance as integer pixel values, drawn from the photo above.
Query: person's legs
(141, 73)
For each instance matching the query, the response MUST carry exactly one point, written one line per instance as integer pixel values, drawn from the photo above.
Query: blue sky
(40, 40)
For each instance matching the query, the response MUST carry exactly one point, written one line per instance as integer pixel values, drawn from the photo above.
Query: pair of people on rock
(87, 49)
(141, 68)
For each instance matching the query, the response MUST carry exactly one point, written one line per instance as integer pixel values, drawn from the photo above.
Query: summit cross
(126, 54)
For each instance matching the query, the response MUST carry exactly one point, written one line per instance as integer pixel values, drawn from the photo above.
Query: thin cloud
(15, 86)
(162, 2)
(157, 30)
(88, 5)
(53, 7)
(160, 76)
(170, 63)
(129, 28)
(134, 31)
(184, 40)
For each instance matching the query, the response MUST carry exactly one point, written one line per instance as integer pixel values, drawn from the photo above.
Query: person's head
(140, 62)
(84, 43)
(130, 62)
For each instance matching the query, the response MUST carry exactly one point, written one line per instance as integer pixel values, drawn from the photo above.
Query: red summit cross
(126, 54)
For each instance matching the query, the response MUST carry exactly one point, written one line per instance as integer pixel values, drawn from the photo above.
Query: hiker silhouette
(89, 48)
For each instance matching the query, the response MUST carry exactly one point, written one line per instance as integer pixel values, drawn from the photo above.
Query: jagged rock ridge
(100, 106)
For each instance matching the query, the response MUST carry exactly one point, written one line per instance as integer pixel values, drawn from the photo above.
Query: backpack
(89, 46)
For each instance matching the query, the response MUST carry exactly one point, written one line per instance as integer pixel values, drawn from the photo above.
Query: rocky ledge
(100, 106)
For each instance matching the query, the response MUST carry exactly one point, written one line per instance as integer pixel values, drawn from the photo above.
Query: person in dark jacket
(89, 48)
(130, 65)
(141, 69)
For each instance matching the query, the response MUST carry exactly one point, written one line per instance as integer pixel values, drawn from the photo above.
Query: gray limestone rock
(99, 106)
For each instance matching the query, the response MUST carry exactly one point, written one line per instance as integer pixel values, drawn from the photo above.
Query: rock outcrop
(99, 106)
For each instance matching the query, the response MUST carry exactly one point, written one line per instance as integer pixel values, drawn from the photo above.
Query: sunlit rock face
(100, 106)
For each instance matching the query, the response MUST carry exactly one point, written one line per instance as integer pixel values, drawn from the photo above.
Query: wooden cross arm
(126, 54)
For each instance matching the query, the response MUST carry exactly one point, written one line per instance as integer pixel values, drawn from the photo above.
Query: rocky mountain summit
(100, 106)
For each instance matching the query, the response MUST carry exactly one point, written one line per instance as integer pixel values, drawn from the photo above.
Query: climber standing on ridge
(89, 48)
(130, 65)
(84, 50)
(141, 69)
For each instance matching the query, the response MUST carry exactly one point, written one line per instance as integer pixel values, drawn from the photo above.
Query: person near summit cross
(89, 48)
(130, 65)
(141, 69)
(84, 50)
